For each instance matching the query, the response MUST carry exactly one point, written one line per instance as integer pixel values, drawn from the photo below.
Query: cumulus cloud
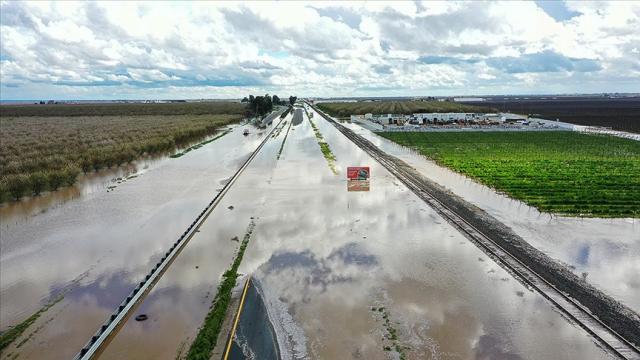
(67, 50)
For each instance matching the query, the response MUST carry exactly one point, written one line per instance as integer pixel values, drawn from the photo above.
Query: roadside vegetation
(324, 147)
(207, 337)
(10, 335)
(565, 173)
(45, 153)
(345, 109)
(199, 145)
(390, 339)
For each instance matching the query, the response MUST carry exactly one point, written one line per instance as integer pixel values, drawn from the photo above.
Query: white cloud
(228, 49)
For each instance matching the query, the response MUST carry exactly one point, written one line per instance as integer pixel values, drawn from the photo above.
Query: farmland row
(564, 173)
(345, 109)
(45, 153)
(116, 109)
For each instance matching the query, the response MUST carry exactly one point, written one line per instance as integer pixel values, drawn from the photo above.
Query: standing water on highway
(95, 248)
(605, 252)
(373, 275)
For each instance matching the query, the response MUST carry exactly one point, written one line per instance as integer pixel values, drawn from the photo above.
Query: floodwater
(358, 275)
(606, 252)
(255, 337)
(96, 247)
(325, 257)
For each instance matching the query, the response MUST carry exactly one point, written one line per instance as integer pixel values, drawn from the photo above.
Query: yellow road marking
(235, 323)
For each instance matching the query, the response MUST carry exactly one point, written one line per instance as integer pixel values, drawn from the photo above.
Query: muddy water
(325, 258)
(96, 247)
(604, 251)
(19, 213)
(179, 302)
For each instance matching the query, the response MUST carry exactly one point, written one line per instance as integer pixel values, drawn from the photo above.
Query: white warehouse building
(437, 118)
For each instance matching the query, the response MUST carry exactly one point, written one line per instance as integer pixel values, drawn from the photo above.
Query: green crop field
(40, 153)
(345, 109)
(558, 172)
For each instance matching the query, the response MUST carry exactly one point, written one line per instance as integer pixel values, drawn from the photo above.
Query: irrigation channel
(373, 275)
(608, 321)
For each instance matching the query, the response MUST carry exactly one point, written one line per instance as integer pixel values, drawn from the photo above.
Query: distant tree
(260, 105)
(292, 99)
(245, 99)
(268, 104)
(275, 100)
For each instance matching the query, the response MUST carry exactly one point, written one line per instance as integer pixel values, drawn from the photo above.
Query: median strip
(283, 140)
(207, 337)
(324, 147)
(9, 336)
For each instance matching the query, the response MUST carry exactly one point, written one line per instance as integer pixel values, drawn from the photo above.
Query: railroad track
(113, 323)
(571, 308)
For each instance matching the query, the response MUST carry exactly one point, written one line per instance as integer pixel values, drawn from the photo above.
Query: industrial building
(438, 118)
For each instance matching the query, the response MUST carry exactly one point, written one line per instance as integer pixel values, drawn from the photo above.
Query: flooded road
(344, 275)
(333, 266)
(95, 248)
(606, 252)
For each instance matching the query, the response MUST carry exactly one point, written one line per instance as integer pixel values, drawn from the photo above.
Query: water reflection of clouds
(340, 266)
(330, 256)
(98, 238)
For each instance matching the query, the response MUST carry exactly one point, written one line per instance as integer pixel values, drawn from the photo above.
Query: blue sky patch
(556, 9)
(430, 59)
(546, 61)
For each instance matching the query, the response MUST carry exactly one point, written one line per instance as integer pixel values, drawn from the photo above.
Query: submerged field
(40, 153)
(345, 109)
(559, 172)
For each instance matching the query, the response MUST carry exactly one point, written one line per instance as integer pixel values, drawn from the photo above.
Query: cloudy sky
(147, 50)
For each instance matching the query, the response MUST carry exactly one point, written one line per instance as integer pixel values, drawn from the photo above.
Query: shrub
(38, 181)
(17, 185)
(56, 178)
(70, 174)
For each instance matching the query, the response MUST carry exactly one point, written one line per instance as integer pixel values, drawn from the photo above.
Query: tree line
(261, 105)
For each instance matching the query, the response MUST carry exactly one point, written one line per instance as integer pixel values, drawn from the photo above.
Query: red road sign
(358, 173)
(357, 185)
